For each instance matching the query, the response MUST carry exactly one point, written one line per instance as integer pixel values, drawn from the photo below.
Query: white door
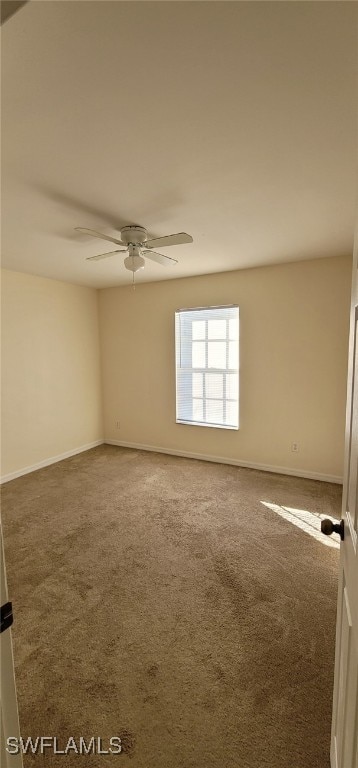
(9, 720)
(344, 742)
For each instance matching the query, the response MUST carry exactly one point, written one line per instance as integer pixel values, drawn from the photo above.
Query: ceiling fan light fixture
(134, 263)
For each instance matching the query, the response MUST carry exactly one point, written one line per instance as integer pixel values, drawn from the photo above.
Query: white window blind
(207, 366)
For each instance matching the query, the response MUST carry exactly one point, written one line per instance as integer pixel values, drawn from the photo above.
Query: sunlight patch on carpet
(310, 522)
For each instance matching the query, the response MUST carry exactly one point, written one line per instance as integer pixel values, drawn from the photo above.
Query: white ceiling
(235, 122)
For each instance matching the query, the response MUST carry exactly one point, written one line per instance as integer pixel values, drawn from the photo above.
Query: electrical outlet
(294, 447)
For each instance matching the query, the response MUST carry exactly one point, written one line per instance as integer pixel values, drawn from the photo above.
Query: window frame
(224, 372)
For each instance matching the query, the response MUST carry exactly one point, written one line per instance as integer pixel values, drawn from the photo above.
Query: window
(207, 366)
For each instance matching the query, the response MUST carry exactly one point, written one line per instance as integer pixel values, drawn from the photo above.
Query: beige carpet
(156, 598)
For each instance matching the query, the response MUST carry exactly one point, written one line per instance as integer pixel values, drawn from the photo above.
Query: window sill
(203, 424)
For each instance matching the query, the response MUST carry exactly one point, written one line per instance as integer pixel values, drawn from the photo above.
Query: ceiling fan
(135, 242)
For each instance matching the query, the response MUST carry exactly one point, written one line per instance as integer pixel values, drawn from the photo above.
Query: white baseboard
(174, 452)
(235, 462)
(47, 462)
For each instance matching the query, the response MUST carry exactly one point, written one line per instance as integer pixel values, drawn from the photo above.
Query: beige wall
(293, 358)
(51, 384)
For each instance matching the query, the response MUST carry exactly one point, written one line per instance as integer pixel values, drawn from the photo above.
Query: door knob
(328, 527)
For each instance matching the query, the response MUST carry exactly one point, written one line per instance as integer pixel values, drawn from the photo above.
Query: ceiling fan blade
(179, 239)
(159, 258)
(93, 233)
(104, 255)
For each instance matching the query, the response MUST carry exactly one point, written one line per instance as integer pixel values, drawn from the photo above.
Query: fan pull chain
(133, 284)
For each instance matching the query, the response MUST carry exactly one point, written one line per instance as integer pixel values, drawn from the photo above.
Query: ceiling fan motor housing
(133, 235)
